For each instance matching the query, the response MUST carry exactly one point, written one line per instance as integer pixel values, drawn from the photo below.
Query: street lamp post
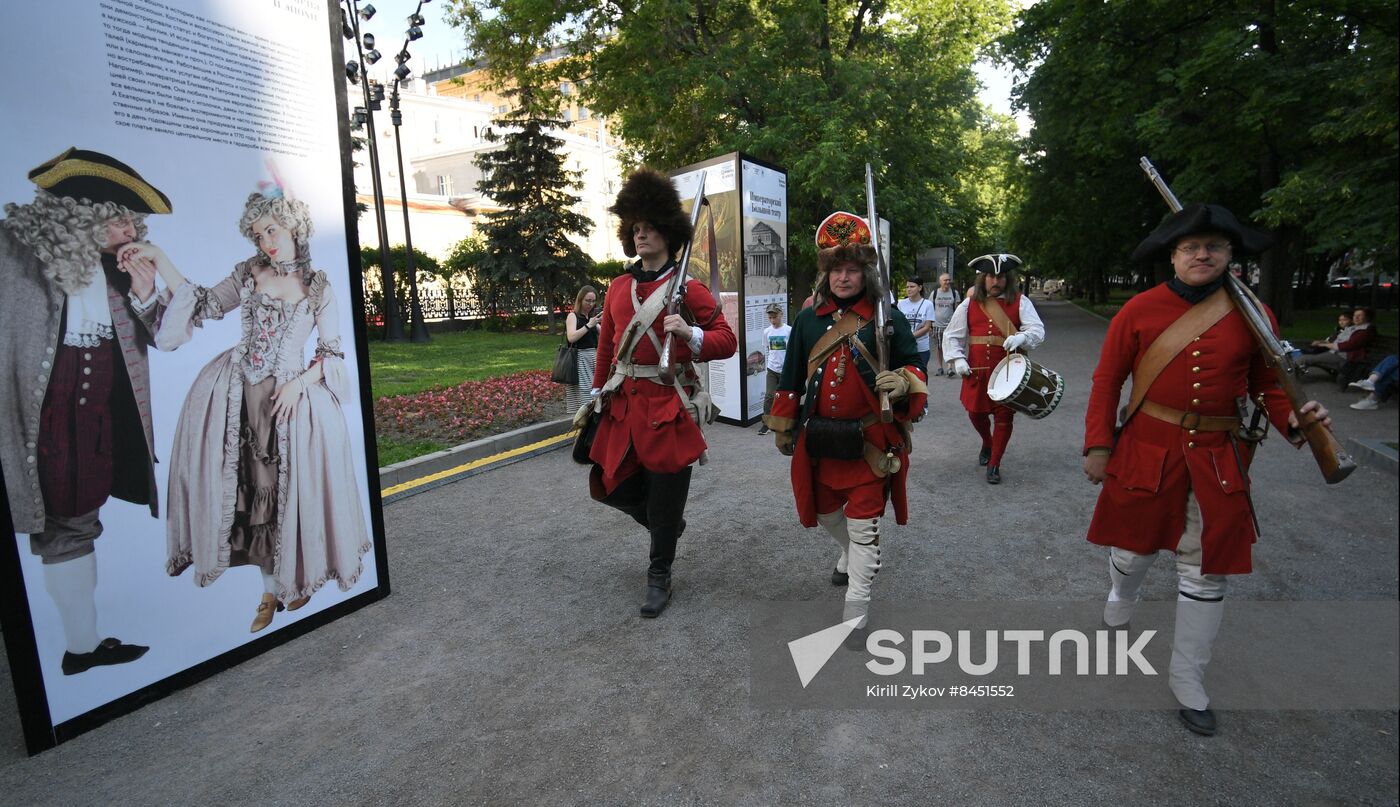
(418, 332)
(393, 323)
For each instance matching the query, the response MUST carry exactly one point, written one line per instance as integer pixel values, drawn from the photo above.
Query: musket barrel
(665, 372)
(882, 317)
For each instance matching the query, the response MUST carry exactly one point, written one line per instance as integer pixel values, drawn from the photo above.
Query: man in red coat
(846, 463)
(649, 432)
(995, 319)
(1175, 476)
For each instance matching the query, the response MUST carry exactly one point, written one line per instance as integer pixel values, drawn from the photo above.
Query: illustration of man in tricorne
(75, 415)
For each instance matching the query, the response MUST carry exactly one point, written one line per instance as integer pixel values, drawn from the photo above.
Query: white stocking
(863, 564)
(1199, 608)
(73, 586)
(835, 525)
(1126, 571)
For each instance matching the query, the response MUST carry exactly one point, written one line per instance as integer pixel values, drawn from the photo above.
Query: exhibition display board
(186, 434)
(748, 199)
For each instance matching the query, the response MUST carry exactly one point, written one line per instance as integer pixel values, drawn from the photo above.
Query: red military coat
(848, 396)
(644, 424)
(982, 358)
(1142, 507)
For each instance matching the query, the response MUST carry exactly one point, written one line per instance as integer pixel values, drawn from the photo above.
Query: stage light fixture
(372, 56)
(402, 72)
(414, 33)
(352, 71)
(366, 12)
(368, 40)
(416, 20)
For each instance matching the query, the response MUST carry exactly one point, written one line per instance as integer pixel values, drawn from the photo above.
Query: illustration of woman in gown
(261, 469)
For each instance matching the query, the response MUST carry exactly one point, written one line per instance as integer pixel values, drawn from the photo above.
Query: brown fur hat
(649, 196)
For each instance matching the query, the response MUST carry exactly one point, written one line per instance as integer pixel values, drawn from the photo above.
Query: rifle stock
(1332, 459)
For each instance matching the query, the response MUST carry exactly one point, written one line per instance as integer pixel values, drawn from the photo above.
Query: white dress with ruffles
(320, 534)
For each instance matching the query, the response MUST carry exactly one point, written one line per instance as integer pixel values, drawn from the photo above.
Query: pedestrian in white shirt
(775, 339)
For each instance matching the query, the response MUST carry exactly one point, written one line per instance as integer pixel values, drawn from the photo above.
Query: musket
(1332, 459)
(666, 373)
(884, 328)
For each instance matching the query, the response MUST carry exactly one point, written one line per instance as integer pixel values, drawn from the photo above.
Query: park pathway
(509, 666)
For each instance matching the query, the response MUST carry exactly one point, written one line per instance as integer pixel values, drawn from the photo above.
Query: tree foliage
(1284, 112)
(818, 87)
(527, 240)
(425, 266)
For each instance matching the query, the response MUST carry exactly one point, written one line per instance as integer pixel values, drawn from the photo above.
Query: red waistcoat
(982, 358)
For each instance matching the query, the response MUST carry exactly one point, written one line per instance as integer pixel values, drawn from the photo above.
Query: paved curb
(394, 475)
(1375, 454)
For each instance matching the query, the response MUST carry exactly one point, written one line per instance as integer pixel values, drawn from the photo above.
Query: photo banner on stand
(748, 199)
(724, 377)
(181, 178)
(764, 191)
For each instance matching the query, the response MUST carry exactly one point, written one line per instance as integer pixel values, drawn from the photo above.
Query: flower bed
(470, 410)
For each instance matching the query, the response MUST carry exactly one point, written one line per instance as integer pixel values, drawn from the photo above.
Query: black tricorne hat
(995, 264)
(1200, 218)
(649, 196)
(94, 176)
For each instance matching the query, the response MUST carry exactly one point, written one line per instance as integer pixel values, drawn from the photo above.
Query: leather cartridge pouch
(835, 439)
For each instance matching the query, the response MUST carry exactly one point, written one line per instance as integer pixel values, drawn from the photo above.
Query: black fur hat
(1200, 218)
(649, 196)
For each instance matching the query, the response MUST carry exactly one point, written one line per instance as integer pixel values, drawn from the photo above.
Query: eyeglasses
(1191, 247)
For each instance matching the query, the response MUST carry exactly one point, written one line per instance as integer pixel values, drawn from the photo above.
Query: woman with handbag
(581, 331)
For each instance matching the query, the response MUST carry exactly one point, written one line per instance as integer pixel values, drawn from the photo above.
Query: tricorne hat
(91, 175)
(1200, 218)
(995, 263)
(843, 237)
(648, 195)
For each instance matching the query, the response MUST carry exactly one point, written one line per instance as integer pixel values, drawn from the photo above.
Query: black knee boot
(666, 495)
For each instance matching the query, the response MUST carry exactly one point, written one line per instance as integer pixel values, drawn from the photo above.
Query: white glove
(1014, 341)
(960, 367)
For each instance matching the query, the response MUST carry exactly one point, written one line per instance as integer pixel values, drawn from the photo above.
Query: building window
(477, 98)
(583, 113)
(444, 184)
(566, 89)
(569, 114)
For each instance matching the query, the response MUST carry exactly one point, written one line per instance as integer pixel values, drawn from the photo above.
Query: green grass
(404, 368)
(392, 451)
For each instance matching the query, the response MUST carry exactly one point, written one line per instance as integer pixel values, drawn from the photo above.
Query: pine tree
(527, 241)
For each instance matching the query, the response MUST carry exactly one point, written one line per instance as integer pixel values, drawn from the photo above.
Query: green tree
(462, 262)
(819, 88)
(427, 267)
(1281, 111)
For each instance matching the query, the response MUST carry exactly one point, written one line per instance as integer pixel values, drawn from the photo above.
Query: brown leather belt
(986, 340)
(1190, 420)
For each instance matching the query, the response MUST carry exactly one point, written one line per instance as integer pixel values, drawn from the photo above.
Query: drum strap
(998, 316)
(1172, 341)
